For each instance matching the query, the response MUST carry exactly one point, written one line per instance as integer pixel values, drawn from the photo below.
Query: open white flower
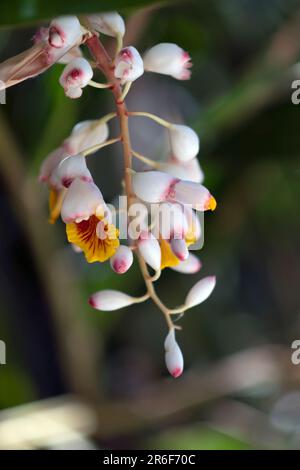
(128, 65)
(76, 75)
(64, 31)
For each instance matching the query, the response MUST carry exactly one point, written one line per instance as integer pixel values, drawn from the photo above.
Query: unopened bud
(168, 59)
(200, 291)
(173, 355)
(184, 142)
(109, 300)
(122, 259)
(150, 250)
(110, 23)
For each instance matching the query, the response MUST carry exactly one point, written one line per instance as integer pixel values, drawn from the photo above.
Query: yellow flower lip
(211, 203)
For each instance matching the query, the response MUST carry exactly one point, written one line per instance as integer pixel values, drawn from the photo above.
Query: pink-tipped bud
(168, 59)
(194, 194)
(200, 291)
(64, 31)
(179, 249)
(150, 250)
(76, 75)
(173, 355)
(128, 65)
(109, 300)
(86, 134)
(190, 266)
(184, 142)
(190, 171)
(71, 168)
(152, 186)
(110, 23)
(122, 260)
(82, 200)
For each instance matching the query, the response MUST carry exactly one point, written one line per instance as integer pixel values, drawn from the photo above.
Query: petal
(179, 249)
(128, 65)
(152, 186)
(190, 266)
(110, 23)
(184, 142)
(150, 250)
(71, 168)
(82, 200)
(84, 235)
(168, 259)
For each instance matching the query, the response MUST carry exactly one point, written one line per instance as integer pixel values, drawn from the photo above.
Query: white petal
(179, 249)
(86, 134)
(108, 300)
(190, 266)
(150, 250)
(169, 220)
(71, 168)
(168, 59)
(152, 186)
(184, 142)
(122, 259)
(76, 75)
(64, 31)
(190, 171)
(128, 65)
(173, 355)
(194, 194)
(200, 291)
(82, 200)
(110, 23)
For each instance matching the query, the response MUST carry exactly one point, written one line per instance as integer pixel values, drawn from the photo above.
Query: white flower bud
(179, 249)
(71, 168)
(150, 250)
(168, 59)
(64, 31)
(82, 200)
(122, 260)
(173, 355)
(152, 186)
(190, 266)
(194, 194)
(111, 23)
(109, 300)
(128, 65)
(200, 291)
(184, 142)
(76, 75)
(86, 134)
(190, 171)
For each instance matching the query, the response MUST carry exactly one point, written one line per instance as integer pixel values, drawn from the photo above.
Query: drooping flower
(173, 355)
(71, 168)
(156, 186)
(128, 65)
(85, 214)
(168, 59)
(76, 75)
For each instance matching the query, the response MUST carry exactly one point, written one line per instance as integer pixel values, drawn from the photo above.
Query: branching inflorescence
(172, 187)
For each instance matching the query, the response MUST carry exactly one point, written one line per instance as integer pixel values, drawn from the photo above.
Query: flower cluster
(172, 187)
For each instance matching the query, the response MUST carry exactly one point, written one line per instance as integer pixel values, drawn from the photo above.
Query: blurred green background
(240, 389)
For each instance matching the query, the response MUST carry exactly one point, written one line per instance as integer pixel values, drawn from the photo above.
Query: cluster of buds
(172, 187)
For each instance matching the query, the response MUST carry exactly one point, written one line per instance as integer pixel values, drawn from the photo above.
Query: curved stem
(99, 85)
(146, 160)
(155, 118)
(105, 64)
(96, 147)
